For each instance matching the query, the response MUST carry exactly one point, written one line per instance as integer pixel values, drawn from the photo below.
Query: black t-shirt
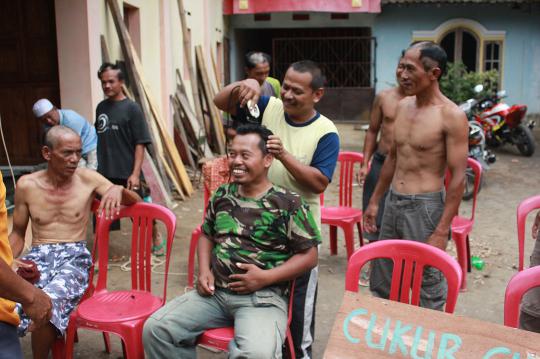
(120, 126)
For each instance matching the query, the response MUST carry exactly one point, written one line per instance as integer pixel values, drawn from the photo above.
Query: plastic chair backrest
(409, 259)
(477, 169)
(142, 215)
(347, 161)
(525, 207)
(206, 197)
(516, 288)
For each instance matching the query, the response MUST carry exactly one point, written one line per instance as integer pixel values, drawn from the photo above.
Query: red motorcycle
(503, 123)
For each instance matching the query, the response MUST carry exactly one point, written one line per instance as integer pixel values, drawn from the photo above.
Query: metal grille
(346, 61)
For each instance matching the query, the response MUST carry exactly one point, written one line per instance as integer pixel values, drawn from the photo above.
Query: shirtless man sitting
(58, 201)
(430, 135)
(383, 114)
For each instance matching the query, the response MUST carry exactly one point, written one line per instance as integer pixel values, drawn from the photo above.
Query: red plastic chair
(195, 235)
(59, 345)
(525, 207)
(409, 259)
(344, 216)
(124, 312)
(516, 288)
(219, 338)
(462, 226)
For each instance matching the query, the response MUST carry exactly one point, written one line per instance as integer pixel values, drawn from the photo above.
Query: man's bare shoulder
(30, 180)
(89, 176)
(390, 94)
(452, 111)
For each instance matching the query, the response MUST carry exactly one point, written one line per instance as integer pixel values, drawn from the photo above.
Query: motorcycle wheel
(524, 140)
(468, 191)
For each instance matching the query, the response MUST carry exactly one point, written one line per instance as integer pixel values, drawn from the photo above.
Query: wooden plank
(368, 327)
(171, 175)
(153, 180)
(188, 58)
(178, 165)
(200, 133)
(134, 63)
(124, 39)
(209, 94)
(104, 49)
(216, 72)
(153, 175)
(182, 133)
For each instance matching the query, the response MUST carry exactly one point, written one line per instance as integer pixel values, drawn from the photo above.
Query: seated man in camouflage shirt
(257, 237)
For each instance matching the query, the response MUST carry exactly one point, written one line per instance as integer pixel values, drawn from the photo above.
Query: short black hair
(318, 80)
(431, 52)
(262, 131)
(53, 134)
(106, 66)
(253, 58)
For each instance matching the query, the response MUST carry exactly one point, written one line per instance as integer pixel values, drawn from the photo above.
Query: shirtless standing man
(383, 114)
(430, 135)
(58, 200)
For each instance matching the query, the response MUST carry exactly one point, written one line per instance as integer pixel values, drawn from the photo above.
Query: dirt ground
(494, 238)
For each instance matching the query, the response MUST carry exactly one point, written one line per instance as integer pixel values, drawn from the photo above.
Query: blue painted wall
(393, 29)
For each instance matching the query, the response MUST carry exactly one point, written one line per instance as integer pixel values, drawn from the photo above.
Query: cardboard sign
(368, 327)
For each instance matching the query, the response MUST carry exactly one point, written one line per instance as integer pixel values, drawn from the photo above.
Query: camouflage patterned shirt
(265, 231)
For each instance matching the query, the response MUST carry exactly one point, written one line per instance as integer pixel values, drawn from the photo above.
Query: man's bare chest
(419, 134)
(57, 206)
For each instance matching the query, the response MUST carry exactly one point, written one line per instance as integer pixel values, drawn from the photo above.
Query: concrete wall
(521, 69)
(81, 22)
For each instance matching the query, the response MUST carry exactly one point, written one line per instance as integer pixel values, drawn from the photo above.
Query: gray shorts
(529, 318)
(412, 217)
(369, 187)
(63, 276)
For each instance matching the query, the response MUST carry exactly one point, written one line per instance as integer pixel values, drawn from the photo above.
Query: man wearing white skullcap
(47, 113)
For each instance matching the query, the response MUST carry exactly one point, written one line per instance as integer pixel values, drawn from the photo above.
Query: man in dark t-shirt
(122, 137)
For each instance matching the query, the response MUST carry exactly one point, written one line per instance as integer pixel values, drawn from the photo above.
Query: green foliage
(458, 84)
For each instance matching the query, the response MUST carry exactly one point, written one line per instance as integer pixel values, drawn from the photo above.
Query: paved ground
(494, 238)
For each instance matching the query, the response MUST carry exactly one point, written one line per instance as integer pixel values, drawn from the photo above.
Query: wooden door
(28, 72)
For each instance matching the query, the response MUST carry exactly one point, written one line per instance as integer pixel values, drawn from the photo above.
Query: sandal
(160, 250)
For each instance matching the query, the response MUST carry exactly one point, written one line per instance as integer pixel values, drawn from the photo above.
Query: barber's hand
(249, 282)
(536, 226)
(133, 183)
(275, 147)
(205, 283)
(110, 202)
(369, 218)
(39, 309)
(249, 90)
(438, 239)
(362, 175)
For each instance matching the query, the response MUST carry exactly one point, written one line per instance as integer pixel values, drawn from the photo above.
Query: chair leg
(59, 348)
(349, 239)
(333, 240)
(290, 346)
(469, 267)
(191, 259)
(132, 344)
(107, 342)
(461, 249)
(70, 339)
(360, 235)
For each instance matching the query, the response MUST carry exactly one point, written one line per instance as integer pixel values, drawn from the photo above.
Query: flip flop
(160, 250)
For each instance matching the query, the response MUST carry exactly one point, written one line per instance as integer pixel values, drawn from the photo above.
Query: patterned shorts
(64, 270)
